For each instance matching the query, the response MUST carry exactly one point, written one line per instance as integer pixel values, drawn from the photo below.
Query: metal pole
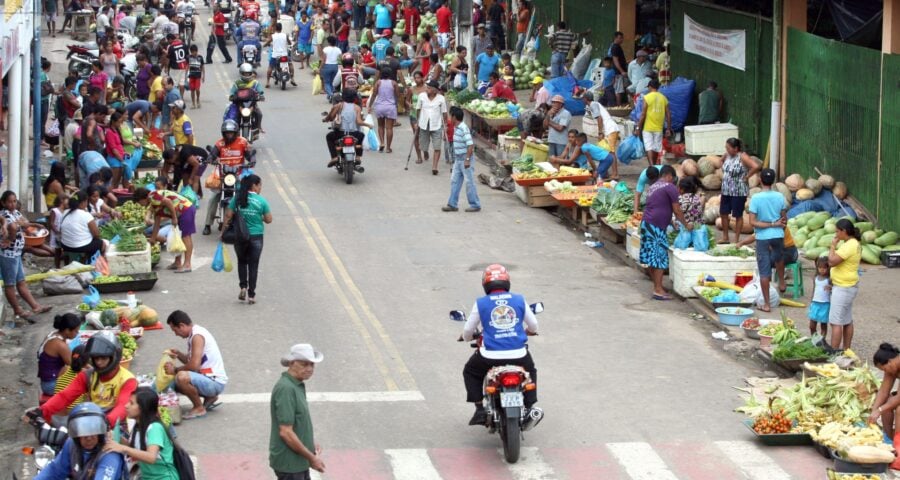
(775, 126)
(22, 193)
(37, 103)
(15, 123)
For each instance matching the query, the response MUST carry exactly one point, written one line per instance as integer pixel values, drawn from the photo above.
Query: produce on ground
(813, 232)
(799, 349)
(710, 293)
(830, 369)
(103, 305)
(129, 345)
(773, 329)
(133, 213)
(112, 279)
(140, 316)
(526, 71)
(750, 324)
(842, 436)
(772, 423)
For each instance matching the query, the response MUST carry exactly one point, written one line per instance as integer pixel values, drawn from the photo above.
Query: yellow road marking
(281, 179)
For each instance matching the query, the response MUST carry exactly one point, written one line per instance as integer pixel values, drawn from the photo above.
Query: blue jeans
(603, 165)
(206, 386)
(557, 64)
(359, 17)
(11, 270)
(456, 180)
(328, 73)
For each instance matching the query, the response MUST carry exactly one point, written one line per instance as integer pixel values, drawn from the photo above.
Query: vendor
(539, 93)
(887, 403)
(79, 232)
(648, 176)
(500, 89)
(531, 121)
(567, 151)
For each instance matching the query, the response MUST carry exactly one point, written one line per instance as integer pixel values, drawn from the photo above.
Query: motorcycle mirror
(457, 315)
(537, 307)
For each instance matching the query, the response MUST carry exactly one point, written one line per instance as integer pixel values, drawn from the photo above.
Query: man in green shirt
(710, 105)
(292, 449)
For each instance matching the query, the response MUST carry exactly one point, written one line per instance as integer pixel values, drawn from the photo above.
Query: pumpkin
(689, 167)
(679, 171)
(805, 194)
(715, 200)
(827, 181)
(711, 182)
(705, 167)
(794, 182)
(753, 191)
(840, 190)
(109, 318)
(754, 181)
(756, 159)
(814, 185)
(745, 227)
(710, 214)
(715, 160)
(869, 455)
(784, 190)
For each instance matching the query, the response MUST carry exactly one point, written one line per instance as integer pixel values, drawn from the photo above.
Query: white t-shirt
(183, 8)
(102, 22)
(74, 228)
(279, 45)
(158, 23)
(599, 113)
(332, 55)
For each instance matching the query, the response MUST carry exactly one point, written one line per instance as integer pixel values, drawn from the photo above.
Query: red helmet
(495, 278)
(251, 15)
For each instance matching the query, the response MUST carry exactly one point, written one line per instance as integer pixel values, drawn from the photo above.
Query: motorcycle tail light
(510, 379)
(349, 141)
(284, 59)
(490, 390)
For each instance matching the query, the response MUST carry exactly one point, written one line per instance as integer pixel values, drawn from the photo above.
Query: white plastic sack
(64, 285)
(752, 293)
(582, 61)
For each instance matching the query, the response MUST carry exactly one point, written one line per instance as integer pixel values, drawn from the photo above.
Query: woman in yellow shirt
(844, 262)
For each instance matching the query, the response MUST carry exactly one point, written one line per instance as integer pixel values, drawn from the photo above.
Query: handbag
(237, 231)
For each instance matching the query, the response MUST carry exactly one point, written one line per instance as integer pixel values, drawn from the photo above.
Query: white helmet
(246, 71)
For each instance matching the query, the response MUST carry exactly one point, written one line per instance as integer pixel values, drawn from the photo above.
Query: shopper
(150, 447)
(432, 114)
(201, 377)
(11, 247)
(385, 94)
(292, 447)
(255, 213)
(844, 261)
(656, 119)
(768, 215)
(662, 203)
(463, 164)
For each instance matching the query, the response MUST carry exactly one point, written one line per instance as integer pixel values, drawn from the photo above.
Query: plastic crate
(890, 259)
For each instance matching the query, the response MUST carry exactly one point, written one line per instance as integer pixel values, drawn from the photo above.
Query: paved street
(367, 274)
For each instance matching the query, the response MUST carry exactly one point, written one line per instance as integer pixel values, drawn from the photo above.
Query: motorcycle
(504, 390)
(188, 30)
(231, 176)
(250, 55)
(81, 56)
(51, 440)
(283, 72)
(346, 165)
(245, 101)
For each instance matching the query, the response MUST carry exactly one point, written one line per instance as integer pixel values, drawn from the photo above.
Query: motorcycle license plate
(285, 67)
(511, 399)
(349, 149)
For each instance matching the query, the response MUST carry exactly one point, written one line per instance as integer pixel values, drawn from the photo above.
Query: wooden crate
(539, 197)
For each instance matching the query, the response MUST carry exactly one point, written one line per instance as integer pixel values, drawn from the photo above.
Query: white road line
(314, 475)
(412, 464)
(640, 461)
(320, 397)
(531, 466)
(755, 464)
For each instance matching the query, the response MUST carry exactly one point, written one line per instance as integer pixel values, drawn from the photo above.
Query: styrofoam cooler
(633, 246)
(128, 263)
(686, 267)
(708, 139)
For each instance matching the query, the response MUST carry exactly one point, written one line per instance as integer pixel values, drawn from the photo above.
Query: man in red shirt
(394, 7)
(218, 37)
(443, 20)
(499, 89)
(412, 18)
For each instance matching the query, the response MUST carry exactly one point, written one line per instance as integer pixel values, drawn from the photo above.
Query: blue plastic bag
(700, 238)
(188, 192)
(683, 240)
(218, 263)
(632, 148)
(372, 140)
(93, 298)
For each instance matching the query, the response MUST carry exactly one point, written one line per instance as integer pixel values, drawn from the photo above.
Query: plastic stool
(796, 284)
(69, 257)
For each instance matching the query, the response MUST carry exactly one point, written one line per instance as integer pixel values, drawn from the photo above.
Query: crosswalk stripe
(640, 461)
(412, 464)
(752, 461)
(531, 465)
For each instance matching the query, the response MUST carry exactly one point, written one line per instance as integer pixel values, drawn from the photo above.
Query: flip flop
(44, 309)
(212, 407)
(183, 270)
(191, 416)
(661, 298)
(173, 267)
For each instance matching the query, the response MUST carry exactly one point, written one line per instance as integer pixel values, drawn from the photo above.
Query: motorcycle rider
(347, 117)
(248, 33)
(105, 382)
(183, 10)
(505, 320)
(82, 456)
(247, 81)
(230, 150)
(280, 47)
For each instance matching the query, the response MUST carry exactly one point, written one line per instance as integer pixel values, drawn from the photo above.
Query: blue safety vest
(502, 321)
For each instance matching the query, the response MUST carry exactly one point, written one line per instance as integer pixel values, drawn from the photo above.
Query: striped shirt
(462, 138)
(562, 41)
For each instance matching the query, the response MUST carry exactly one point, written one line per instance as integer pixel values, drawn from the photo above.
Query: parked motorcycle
(283, 72)
(51, 439)
(504, 390)
(81, 56)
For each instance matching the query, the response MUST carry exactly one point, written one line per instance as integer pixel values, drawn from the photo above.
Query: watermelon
(869, 256)
(109, 318)
(888, 238)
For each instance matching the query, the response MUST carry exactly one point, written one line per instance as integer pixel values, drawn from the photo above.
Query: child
(608, 78)
(56, 214)
(821, 300)
(196, 75)
(150, 444)
(691, 202)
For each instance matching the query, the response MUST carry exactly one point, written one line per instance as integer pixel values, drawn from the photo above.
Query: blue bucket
(733, 316)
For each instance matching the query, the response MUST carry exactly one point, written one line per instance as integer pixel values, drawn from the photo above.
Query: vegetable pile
(131, 239)
(133, 213)
(112, 279)
(772, 423)
(526, 71)
(492, 108)
(814, 231)
(799, 349)
(103, 305)
(616, 206)
(730, 251)
(129, 345)
(151, 151)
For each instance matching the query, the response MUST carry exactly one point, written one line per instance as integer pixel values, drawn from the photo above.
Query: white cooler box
(686, 266)
(708, 139)
(128, 263)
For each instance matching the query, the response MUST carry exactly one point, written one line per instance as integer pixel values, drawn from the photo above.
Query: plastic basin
(733, 316)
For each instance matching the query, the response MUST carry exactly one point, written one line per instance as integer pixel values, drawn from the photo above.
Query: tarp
(857, 21)
(679, 94)
(565, 86)
(823, 202)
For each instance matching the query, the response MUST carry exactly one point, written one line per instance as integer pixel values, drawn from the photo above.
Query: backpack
(183, 463)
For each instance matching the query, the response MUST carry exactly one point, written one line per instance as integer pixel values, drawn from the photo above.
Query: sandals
(434, 172)
(243, 295)
(43, 309)
(251, 300)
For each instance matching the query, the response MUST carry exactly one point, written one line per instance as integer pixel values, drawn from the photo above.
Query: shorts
(555, 149)
(113, 162)
(48, 386)
(186, 221)
(444, 40)
(652, 141)
(613, 140)
(432, 138)
(304, 475)
(841, 312)
(732, 205)
(50, 16)
(406, 63)
(207, 387)
(194, 84)
(305, 48)
(768, 253)
(619, 84)
(818, 311)
(12, 271)
(790, 255)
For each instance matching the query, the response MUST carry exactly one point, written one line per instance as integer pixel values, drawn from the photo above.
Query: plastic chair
(796, 284)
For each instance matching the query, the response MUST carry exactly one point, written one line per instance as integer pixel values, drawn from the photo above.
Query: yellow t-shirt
(178, 130)
(156, 86)
(655, 103)
(846, 273)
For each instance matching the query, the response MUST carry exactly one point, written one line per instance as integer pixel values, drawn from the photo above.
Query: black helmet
(104, 344)
(229, 126)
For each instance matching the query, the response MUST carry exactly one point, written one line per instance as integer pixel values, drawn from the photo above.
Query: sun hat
(302, 351)
(558, 98)
(538, 79)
